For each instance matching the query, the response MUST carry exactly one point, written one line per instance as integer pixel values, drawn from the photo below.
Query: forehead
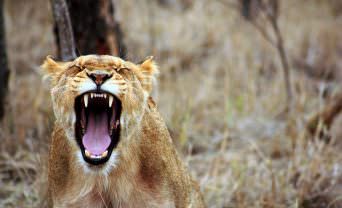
(99, 62)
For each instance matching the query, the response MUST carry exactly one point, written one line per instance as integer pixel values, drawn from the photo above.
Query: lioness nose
(99, 78)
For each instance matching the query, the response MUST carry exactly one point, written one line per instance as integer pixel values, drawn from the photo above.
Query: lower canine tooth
(104, 154)
(87, 153)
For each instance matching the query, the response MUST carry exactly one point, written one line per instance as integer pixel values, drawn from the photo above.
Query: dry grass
(221, 94)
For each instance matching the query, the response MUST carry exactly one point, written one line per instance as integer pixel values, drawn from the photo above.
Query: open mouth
(97, 125)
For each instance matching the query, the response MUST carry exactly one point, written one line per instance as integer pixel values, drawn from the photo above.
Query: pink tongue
(97, 140)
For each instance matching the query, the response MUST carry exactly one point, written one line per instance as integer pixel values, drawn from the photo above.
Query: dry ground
(220, 92)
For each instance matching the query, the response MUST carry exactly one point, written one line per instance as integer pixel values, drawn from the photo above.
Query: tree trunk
(95, 29)
(246, 8)
(63, 30)
(4, 71)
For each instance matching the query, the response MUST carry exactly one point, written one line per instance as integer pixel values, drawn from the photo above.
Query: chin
(101, 169)
(97, 129)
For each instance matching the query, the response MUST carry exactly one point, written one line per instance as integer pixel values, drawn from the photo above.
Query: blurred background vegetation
(250, 138)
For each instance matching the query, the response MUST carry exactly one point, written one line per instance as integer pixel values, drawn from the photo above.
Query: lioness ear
(50, 67)
(149, 71)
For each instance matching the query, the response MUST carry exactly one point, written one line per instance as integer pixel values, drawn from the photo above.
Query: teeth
(96, 156)
(104, 154)
(98, 95)
(110, 101)
(85, 97)
(87, 153)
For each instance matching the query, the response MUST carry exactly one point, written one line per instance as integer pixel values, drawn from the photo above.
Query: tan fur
(144, 169)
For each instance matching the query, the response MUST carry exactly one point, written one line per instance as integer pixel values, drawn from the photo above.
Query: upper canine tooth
(85, 97)
(91, 95)
(110, 101)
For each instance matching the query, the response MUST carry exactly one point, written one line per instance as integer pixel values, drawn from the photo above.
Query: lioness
(110, 147)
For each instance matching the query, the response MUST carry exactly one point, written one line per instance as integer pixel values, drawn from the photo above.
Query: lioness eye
(73, 70)
(122, 70)
(127, 73)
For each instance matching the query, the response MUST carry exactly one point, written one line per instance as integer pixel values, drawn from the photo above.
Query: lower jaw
(97, 161)
(103, 169)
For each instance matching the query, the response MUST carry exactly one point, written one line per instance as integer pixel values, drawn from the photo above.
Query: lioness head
(99, 100)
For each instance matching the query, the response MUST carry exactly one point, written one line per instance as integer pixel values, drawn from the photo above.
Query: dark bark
(245, 9)
(4, 70)
(63, 30)
(95, 29)
(249, 8)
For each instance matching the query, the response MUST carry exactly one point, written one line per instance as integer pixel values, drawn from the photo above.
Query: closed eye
(126, 73)
(122, 69)
(73, 70)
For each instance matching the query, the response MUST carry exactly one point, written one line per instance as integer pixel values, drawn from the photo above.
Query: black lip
(115, 137)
